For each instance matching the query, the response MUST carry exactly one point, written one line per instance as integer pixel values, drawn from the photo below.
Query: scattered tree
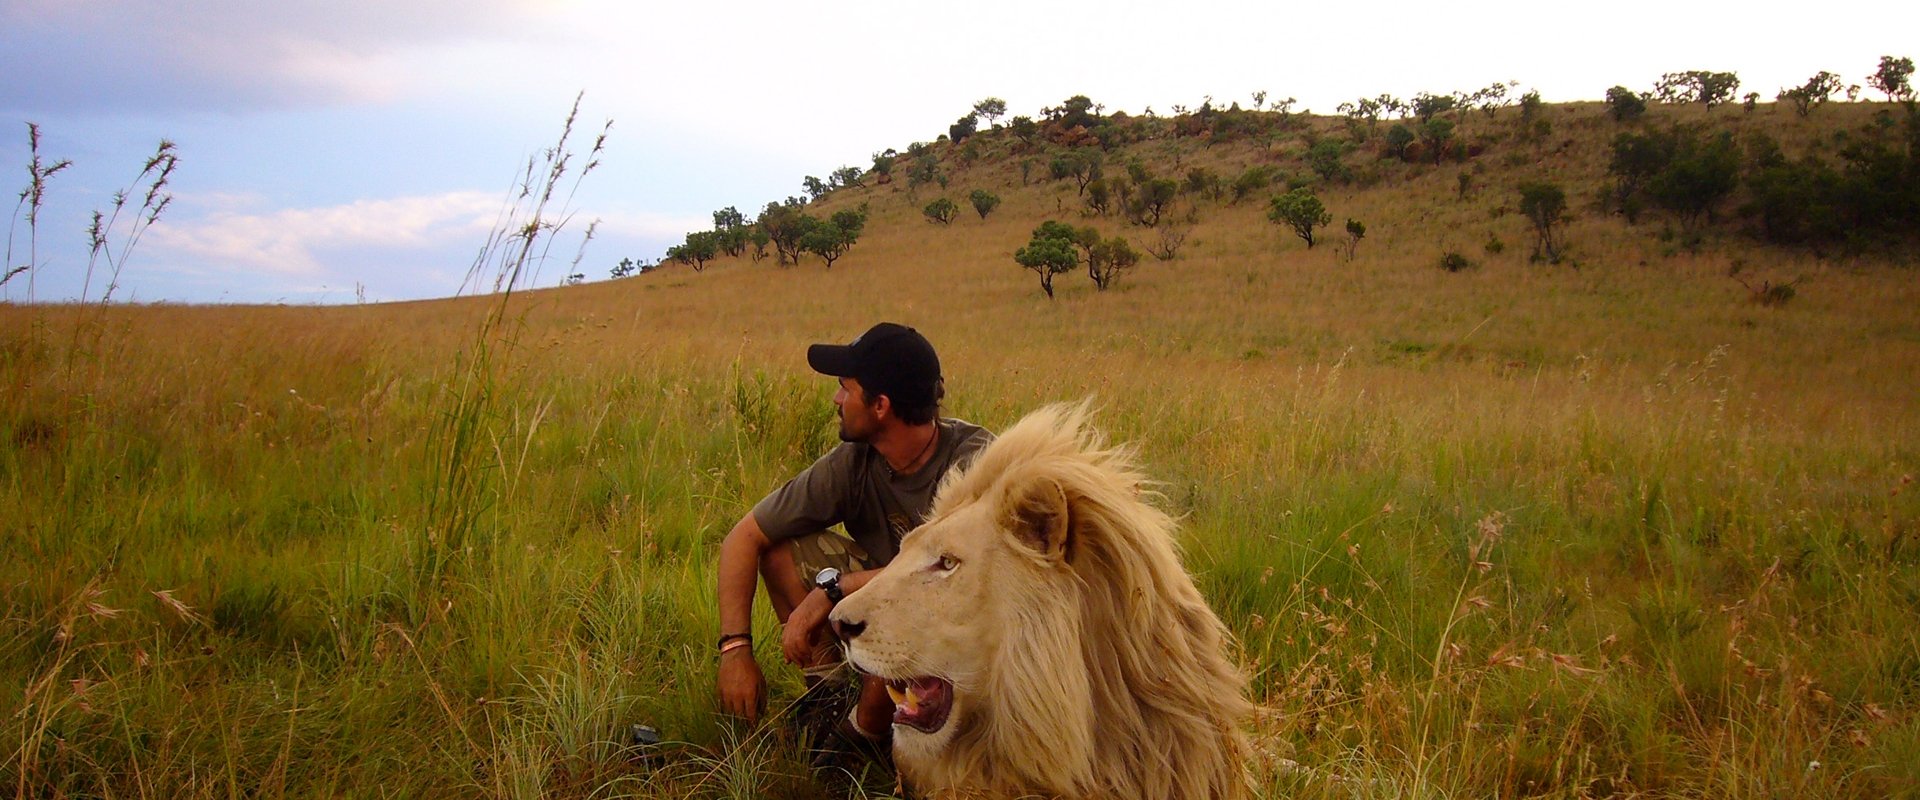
(846, 176)
(1545, 206)
(1254, 179)
(1151, 200)
(984, 201)
(1624, 104)
(1099, 197)
(815, 187)
(833, 237)
(698, 249)
(1108, 258)
(1705, 87)
(626, 267)
(942, 211)
(1083, 166)
(1049, 253)
(992, 108)
(963, 128)
(1301, 211)
(1812, 94)
(1167, 242)
(1355, 232)
(1399, 138)
(1892, 78)
(784, 224)
(1325, 157)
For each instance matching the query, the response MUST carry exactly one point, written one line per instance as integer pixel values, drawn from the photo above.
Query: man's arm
(796, 641)
(742, 687)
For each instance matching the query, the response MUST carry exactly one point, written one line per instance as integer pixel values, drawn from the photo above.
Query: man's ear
(1040, 518)
(881, 405)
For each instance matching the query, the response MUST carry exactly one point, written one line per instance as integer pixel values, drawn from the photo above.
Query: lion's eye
(947, 563)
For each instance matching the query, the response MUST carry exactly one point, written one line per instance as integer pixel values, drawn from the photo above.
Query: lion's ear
(1038, 516)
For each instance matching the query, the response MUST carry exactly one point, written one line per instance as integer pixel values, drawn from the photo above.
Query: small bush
(1494, 245)
(1454, 262)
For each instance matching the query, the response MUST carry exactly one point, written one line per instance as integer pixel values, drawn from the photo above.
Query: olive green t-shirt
(852, 486)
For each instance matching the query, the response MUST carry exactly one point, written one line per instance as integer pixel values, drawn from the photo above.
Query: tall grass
(1513, 532)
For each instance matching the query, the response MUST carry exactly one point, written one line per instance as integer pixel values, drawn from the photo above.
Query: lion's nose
(848, 629)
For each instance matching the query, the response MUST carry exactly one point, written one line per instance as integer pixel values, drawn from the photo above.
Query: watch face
(826, 576)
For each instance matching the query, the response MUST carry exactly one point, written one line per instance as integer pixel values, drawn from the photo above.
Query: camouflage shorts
(817, 551)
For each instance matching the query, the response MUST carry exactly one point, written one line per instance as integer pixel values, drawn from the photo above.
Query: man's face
(857, 422)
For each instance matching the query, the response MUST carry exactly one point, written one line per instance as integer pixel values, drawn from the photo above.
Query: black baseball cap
(889, 359)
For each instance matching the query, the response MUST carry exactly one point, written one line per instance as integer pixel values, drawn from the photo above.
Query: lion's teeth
(897, 695)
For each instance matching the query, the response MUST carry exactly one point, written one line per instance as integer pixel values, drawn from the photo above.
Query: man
(878, 484)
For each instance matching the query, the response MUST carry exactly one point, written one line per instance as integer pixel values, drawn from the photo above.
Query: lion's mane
(1113, 680)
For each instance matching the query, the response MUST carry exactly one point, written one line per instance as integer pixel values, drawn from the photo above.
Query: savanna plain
(1603, 527)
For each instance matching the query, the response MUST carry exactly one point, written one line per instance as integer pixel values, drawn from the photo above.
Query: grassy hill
(1606, 527)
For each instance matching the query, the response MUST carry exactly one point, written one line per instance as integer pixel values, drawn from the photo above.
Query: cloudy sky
(333, 149)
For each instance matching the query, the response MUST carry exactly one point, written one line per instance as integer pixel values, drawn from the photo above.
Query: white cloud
(229, 54)
(293, 242)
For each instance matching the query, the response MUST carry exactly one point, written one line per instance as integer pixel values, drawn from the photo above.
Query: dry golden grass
(1521, 530)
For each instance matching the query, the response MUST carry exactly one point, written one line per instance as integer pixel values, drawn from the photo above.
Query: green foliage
(1025, 130)
(1452, 261)
(1256, 178)
(1494, 244)
(784, 224)
(1325, 158)
(1810, 95)
(1108, 258)
(1050, 252)
(1531, 107)
(759, 239)
(942, 210)
(1893, 78)
(1075, 111)
(1435, 135)
(1300, 210)
(991, 109)
(1624, 104)
(1151, 200)
(815, 187)
(1545, 205)
(984, 202)
(883, 164)
(1082, 165)
(925, 170)
(1399, 138)
(832, 238)
(845, 176)
(698, 249)
(1705, 87)
(1677, 169)
(1427, 106)
(1699, 174)
(1355, 232)
(1099, 197)
(1203, 182)
(960, 130)
(1868, 198)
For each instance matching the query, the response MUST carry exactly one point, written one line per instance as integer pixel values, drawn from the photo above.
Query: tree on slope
(1049, 253)
(1301, 211)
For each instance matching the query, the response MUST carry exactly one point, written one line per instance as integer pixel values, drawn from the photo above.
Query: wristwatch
(829, 581)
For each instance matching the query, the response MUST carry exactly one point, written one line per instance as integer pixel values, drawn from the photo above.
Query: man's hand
(806, 627)
(743, 690)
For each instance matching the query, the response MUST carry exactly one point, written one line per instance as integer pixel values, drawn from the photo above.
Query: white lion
(1041, 638)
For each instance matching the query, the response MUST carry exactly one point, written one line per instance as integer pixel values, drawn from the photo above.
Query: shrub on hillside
(1108, 258)
(1151, 200)
(1454, 262)
(984, 202)
(1050, 252)
(942, 210)
(1624, 104)
(1545, 205)
(1301, 211)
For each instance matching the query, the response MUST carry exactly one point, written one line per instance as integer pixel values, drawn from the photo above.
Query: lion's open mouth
(921, 703)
